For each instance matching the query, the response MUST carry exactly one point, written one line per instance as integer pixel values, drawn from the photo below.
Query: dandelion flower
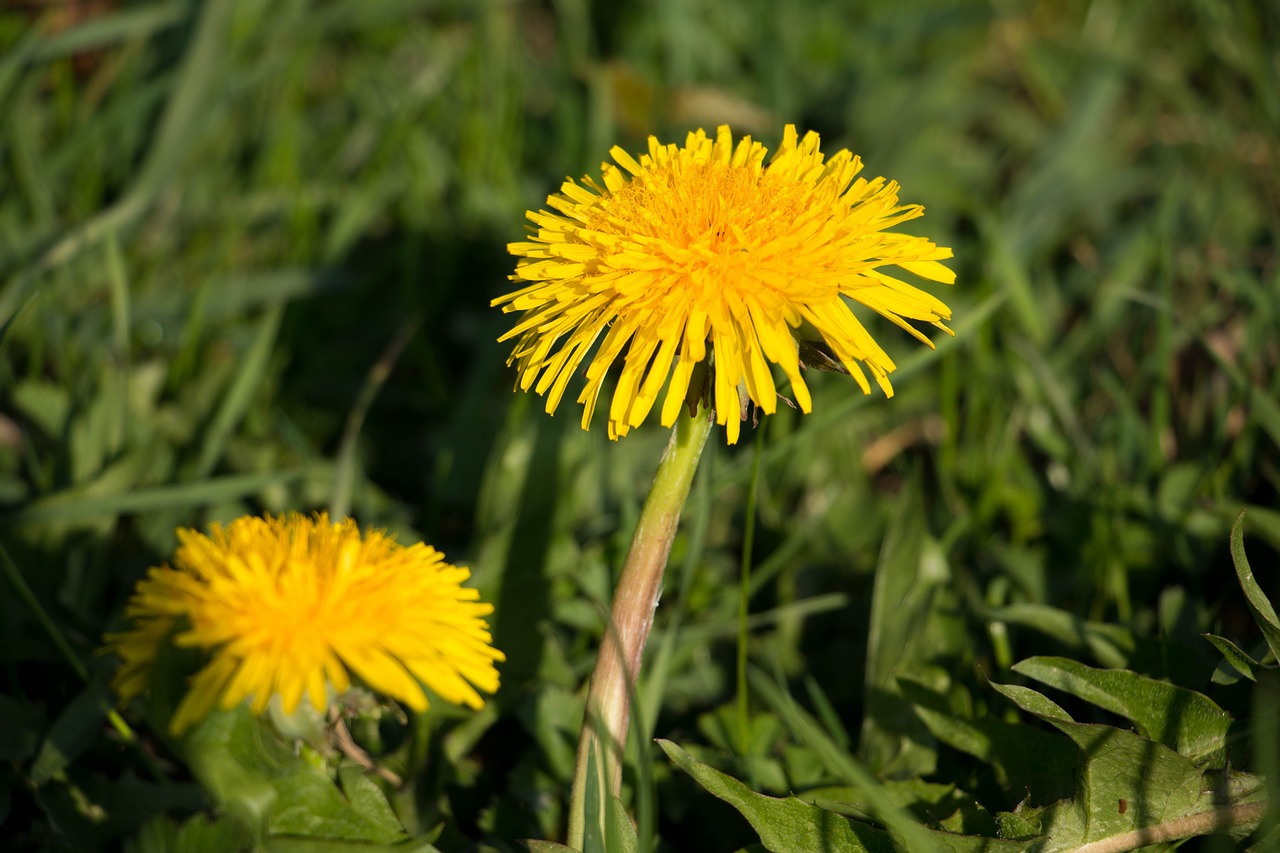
(298, 605)
(706, 255)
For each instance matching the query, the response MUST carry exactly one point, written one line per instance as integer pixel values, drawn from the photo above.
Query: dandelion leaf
(1127, 785)
(256, 777)
(1183, 720)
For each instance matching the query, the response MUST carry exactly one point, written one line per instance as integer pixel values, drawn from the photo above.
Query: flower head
(297, 605)
(705, 254)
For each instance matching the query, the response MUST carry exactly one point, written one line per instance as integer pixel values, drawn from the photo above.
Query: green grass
(215, 217)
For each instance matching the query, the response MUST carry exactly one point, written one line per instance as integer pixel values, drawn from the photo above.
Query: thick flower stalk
(706, 256)
(297, 606)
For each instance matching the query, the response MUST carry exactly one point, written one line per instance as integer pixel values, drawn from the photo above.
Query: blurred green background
(246, 255)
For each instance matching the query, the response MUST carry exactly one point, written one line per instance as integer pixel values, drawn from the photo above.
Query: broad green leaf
(792, 826)
(536, 846)
(258, 778)
(1128, 789)
(1259, 605)
(367, 798)
(1125, 783)
(783, 825)
(1181, 719)
(310, 805)
(1031, 701)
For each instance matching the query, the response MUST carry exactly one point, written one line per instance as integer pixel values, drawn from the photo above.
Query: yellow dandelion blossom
(298, 605)
(707, 254)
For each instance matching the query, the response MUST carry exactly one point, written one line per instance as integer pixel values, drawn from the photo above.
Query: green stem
(604, 731)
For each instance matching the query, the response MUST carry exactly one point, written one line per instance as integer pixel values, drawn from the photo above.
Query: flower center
(710, 224)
